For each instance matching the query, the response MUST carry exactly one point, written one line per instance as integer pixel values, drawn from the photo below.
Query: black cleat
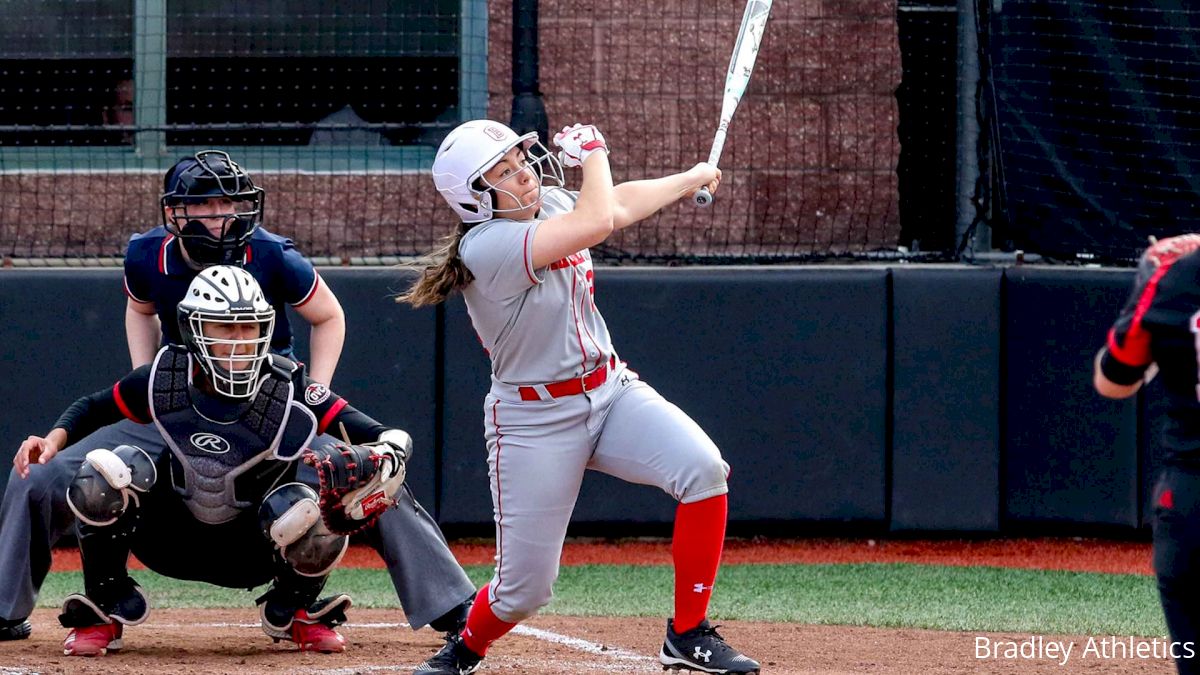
(702, 649)
(15, 630)
(454, 621)
(454, 659)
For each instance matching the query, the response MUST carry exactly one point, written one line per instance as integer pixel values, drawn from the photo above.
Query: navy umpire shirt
(156, 272)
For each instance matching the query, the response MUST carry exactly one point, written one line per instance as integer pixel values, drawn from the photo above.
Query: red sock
(696, 550)
(483, 627)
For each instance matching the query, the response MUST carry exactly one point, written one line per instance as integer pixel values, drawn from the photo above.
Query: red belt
(575, 385)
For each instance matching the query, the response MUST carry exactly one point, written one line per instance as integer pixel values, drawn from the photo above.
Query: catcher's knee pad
(289, 517)
(126, 603)
(106, 481)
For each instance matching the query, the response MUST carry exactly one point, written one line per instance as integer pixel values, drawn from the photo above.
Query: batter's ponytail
(442, 271)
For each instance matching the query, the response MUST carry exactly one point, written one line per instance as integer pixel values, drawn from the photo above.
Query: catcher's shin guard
(122, 602)
(291, 519)
(286, 615)
(97, 623)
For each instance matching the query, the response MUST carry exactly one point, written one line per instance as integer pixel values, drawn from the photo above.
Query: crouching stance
(222, 505)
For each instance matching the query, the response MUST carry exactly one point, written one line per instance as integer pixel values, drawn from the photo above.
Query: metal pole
(150, 76)
(967, 164)
(528, 108)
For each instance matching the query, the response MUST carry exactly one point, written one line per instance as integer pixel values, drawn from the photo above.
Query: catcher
(223, 505)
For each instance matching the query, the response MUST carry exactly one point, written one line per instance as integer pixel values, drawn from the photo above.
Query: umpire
(1158, 330)
(212, 212)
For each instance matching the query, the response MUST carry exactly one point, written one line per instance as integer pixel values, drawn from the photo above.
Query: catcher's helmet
(223, 294)
(469, 151)
(207, 174)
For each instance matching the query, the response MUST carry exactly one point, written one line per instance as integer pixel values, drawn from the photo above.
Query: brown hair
(442, 271)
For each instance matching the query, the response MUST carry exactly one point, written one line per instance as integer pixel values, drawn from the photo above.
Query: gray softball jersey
(518, 311)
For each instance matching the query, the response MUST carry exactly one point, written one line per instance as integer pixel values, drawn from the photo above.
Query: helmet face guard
(470, 151)
(217, 298)
(195, 180)
(236, 372)
(537, 160)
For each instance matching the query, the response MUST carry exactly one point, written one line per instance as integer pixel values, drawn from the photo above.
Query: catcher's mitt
(357, 482)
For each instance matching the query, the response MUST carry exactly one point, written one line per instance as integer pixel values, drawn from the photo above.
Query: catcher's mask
(476, 146)
(194, 180)
(219, 303)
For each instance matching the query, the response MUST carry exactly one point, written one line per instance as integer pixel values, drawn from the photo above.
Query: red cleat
(316, 637)
(94, 640)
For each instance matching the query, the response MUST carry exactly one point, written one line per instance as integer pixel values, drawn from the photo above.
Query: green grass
(886, 595)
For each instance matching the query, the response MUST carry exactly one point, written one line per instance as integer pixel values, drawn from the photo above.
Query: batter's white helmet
(473, 148)
(226, 294)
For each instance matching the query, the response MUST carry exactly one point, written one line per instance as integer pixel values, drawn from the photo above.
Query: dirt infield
(229, 641)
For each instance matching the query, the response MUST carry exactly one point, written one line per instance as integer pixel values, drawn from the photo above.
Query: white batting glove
(578, 142)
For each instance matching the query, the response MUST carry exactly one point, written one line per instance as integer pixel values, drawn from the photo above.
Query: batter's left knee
(524, 607)
(520, 598)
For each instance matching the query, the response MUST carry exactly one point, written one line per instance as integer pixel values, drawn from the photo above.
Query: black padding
(62, 335)
(1070, 454)
(765, 360)
(466, 492)
(946, 399)
(784, 368)
(389, 362)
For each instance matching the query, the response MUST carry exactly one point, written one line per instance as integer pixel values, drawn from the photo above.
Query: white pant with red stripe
(538, 451)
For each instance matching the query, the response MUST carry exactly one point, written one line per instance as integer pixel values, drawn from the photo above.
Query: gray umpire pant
(429, 581)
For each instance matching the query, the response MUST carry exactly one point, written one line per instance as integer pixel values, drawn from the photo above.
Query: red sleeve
(334, 413)
(1128, 341)
(133, 400)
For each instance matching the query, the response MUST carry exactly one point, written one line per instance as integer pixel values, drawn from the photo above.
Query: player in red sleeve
(1158, 332)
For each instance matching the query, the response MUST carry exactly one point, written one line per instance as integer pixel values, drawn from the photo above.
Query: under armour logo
(624, 380)
(209, 443)
(700, 588)
(577, 137)
(702, 655)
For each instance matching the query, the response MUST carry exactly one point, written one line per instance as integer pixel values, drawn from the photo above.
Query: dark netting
(336, 109)
(1098, 124)
(928, 108)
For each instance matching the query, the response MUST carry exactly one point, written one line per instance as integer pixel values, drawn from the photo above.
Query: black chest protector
(221, 468)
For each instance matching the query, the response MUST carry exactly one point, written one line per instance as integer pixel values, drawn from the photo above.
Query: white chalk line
(618, 660)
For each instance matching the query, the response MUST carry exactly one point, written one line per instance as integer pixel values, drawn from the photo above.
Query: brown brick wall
(809, 165)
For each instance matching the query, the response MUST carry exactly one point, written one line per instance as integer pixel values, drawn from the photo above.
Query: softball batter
(561, 400)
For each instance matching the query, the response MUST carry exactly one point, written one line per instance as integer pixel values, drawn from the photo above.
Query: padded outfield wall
(847, 399)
